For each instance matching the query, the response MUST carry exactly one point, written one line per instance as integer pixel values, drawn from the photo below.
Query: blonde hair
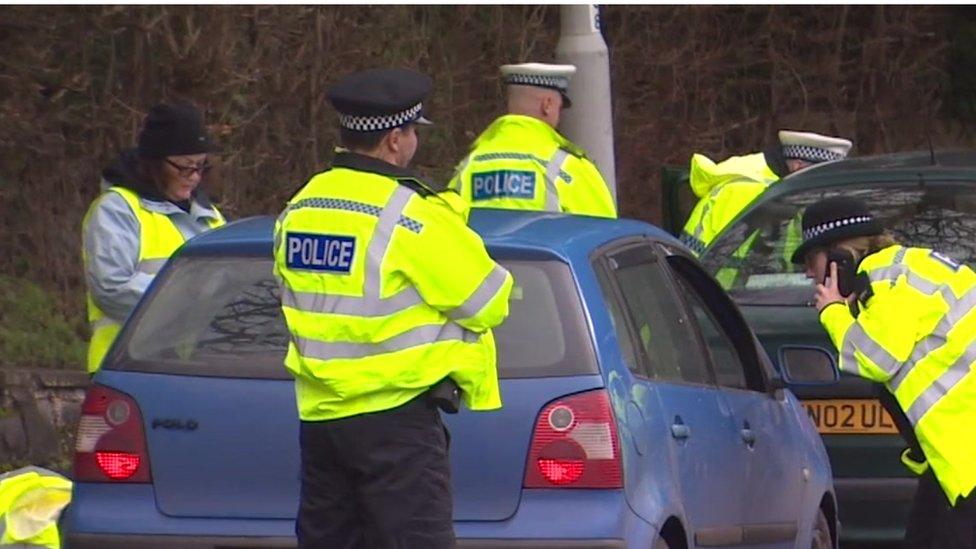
(863, 246)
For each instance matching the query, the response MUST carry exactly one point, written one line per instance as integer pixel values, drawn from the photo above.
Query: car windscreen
(752, 258)
(221, 316)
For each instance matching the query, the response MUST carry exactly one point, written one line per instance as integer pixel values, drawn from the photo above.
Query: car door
(768, 438)
(668, 363)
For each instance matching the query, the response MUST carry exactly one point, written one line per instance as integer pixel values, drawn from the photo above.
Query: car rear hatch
(202, 357)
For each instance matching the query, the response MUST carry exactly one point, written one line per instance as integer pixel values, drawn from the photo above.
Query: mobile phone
(845, 270)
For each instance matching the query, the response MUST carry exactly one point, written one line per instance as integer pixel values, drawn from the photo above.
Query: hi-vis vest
(917, 333)
(725, 189)
(385, 292)
(158, 239)
(31, 500)
(521, 163)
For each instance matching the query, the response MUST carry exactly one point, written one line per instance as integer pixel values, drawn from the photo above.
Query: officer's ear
(551, 106)
(392, 140)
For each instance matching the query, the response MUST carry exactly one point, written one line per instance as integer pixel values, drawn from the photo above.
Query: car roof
(562, 235)
(895, 168)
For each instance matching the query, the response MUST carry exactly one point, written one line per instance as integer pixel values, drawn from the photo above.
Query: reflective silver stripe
(151, 266)
(700, 226)
(370, 305)
(857, 338)
(279, 227)
(381, 239)
(312, 302)
(323, 350)
(103, 322)
(349, 206)
(922, 349)
(958, 309)
(891, 274)
(553, 168)
(941, 386)
(488, 289)
(899, 255)
(847, 352)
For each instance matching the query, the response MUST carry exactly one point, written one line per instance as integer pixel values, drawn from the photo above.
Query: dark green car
(924, 199)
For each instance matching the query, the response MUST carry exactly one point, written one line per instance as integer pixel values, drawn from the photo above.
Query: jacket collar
(519, 122)
(200, 204)
(775, 160)
(362, 163)
(345, 158)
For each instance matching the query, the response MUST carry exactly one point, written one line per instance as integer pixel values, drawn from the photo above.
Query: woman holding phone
(906, 318)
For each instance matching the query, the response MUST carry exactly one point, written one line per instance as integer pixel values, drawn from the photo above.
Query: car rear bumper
(874, 509)
(117, 516)
(97, 541)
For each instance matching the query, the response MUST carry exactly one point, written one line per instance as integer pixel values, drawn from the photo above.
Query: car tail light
(575, 445)
(111, 443)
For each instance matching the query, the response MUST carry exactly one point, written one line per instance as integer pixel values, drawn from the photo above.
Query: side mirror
(807, 366)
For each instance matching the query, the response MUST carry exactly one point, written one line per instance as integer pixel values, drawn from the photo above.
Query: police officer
(915, 331)
(152, 201)
(386, 292)
(520, 162)
(727, 187)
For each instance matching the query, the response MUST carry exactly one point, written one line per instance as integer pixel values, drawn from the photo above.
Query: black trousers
(932, 522)
(379, 480)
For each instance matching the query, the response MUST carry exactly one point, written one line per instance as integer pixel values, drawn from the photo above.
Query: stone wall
(39, 411)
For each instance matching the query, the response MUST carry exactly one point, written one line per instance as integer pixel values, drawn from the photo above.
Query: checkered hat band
(556, 82)
(378, 123)
(818, 230)
(810, 154)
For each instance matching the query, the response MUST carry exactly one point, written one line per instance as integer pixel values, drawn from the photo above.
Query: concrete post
(590, 122)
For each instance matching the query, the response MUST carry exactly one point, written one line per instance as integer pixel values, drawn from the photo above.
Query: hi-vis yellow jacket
(158, 238)
(916, 333)
(385, 291)
(725, 189)
(522, 163)
(31, 500)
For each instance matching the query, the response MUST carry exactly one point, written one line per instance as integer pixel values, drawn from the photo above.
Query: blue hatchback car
(639, 410)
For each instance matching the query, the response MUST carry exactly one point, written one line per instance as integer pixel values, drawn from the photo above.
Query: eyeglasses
(187, 172)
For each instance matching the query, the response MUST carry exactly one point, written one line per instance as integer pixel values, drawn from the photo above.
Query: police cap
(813, 147)
(541, 75)
(832, 220)
(381, 99)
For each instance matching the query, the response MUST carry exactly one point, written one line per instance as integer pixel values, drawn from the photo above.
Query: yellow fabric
(525, 145)
(158, 239)
(444, 263)
(30, 504)
(725, 189)
(726, 276)
(917, 467)
(917, 334)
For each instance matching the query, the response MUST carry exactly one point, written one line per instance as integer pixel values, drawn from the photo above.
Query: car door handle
(680, 431)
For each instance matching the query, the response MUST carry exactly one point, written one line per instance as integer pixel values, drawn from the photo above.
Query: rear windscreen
(222, 317)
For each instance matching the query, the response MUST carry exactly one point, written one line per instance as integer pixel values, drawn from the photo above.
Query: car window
(656, 321)
(618, 318)
(729, 371)
(222, 317)
(731, 345)
(752, 258)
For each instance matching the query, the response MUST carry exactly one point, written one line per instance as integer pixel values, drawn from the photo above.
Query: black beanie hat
(173, 129)
(834, 219)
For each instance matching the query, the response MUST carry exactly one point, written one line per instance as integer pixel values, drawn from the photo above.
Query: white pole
(589, 122)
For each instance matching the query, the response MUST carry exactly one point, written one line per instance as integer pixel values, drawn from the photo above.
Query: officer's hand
(829, 293)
